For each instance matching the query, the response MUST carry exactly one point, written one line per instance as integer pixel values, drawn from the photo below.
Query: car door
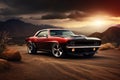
(42, 40)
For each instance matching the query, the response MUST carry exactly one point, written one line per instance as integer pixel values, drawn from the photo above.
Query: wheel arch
(30, 42)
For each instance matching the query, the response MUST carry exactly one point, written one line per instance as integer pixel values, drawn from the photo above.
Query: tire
(57, 51)
(89, 55)
(31, 48)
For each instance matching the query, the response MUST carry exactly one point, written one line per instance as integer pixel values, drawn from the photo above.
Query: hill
(19, 30)
(112, 35)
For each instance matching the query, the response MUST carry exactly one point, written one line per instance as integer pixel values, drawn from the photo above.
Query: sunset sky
(75, 14)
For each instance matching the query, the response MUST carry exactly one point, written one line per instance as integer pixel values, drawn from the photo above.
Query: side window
(42, 33)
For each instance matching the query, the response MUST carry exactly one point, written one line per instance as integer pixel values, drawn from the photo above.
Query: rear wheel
(31, 48)
(57, 50)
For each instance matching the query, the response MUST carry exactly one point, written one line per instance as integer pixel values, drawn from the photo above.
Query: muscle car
(60, 42)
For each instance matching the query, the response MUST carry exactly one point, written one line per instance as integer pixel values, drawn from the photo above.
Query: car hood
(84, 37)
(80, 37)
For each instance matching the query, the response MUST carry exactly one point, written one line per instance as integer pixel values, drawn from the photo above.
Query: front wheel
(57, 50)
(31, 48)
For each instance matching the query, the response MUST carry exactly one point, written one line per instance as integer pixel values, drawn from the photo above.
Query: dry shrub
(2, 48)
(3, 40)
(11, 54)
(4, 65)
(107, 46)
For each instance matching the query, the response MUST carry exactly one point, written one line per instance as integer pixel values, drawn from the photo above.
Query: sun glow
(98, 22)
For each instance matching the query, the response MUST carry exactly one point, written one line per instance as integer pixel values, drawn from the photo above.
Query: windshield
(66, 33)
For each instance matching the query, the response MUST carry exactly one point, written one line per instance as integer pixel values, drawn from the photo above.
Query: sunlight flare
(99, 22)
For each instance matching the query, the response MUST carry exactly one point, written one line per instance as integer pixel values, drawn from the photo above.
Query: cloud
(54, 16)
(74, 15)
(6, 11)
(27, 6)
(35, 18)
(77, 15)
(58, 8)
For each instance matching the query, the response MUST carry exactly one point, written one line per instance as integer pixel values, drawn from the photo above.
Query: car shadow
(42, 53)
(96, 57)
(71, 57)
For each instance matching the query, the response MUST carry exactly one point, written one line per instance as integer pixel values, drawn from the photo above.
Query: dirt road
(103, 66)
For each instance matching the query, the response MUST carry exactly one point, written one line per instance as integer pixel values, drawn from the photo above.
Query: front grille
(83, 43)
(82, 51)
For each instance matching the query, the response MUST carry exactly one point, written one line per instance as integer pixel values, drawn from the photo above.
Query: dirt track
(103, 66)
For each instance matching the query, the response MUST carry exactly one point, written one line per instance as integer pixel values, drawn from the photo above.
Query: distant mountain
(18, 29)
(87, 30)
(112, 34)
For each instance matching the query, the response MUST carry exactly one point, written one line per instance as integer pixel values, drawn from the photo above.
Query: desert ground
(105, 65)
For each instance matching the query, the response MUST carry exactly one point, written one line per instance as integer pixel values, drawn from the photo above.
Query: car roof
(53, 29)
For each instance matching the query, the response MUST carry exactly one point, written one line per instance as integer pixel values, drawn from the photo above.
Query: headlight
(73, 49)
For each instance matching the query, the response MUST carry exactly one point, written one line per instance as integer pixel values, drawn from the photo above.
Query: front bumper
(82, 46)
(80, 50)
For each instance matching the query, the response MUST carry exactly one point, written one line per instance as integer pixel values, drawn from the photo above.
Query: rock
(119, 48)
(4, 65)
(106, 46)
(12, 55)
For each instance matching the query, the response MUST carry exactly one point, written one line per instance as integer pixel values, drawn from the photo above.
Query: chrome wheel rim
(57, 50)
(30, 48)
